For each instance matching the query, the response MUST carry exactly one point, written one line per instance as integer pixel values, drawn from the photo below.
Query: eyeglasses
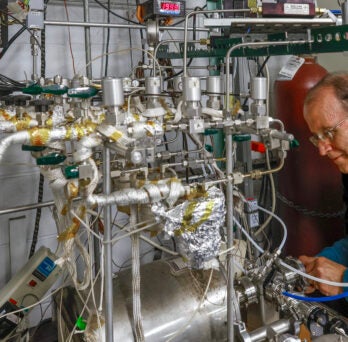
(328, 133)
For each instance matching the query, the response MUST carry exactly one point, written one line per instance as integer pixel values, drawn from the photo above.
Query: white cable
(182, 329)
(273, 197)
(130, 233)
(84, 305)
(101, 270)
(156, 245)
(85, 225)
(34, 304)
(248, 236)
(125, 50)
(303, 274)
(282, 224)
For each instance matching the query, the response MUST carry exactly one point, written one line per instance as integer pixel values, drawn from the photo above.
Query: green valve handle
(53, 158)
(33, 89)
(81, 323)
(71, 172)
(83, 92)
(55, 89)
(241, 137)
(33, 148)
(294, 143)
(209, 148)
(210, 131)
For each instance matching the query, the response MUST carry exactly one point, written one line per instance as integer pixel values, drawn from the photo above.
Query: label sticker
(299, 9)
(289, 70)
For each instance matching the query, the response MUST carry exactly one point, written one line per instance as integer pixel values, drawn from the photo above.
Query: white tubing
(248, 236)
(215, 113)
(16, 138)
(303, 274)
(178, 113)
(282, 224)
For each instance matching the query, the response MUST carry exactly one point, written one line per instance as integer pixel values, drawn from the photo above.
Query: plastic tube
(303, 274)
(248, 236)
(281, 222)
(316, 299)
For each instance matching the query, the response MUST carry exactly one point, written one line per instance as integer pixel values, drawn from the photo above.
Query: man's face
(321, 115)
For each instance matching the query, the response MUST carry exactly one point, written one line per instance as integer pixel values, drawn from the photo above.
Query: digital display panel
(170, 7)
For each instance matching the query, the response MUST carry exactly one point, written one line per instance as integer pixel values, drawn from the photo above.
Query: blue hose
(316, 299)
(336, 11)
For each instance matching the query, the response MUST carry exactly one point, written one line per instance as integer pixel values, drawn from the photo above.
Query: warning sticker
(289, 70)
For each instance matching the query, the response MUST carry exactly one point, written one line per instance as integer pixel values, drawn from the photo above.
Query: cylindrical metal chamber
(259, 88)
(153, 85)
(214, 84)
(112, 92)
(173, 305)
(192, 89)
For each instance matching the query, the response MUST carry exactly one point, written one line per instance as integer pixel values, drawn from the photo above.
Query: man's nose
(324, 147)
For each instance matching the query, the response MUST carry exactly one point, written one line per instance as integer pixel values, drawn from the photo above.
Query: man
(326, 114)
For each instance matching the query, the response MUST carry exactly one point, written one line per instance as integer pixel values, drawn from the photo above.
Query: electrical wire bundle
(8, 85)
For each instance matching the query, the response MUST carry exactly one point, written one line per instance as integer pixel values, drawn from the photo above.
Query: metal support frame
(108, 285)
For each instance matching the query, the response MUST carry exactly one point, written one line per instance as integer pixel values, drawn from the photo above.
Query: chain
(308, 212)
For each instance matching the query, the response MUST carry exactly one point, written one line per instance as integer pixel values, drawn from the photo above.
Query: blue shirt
(338, 252)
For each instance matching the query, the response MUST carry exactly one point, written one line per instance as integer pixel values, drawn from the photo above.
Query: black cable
(19, 22)
(260, 71)
(43, 44)
(107, 42)
(37, 218)
(115, 14)
(9, 43)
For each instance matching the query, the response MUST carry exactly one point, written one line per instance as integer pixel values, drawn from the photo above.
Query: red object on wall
(308, 180)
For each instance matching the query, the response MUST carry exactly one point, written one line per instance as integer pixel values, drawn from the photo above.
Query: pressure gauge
(163, 8)
(170, 8)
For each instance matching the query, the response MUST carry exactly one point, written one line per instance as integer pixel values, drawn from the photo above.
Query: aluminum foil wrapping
(195, 225)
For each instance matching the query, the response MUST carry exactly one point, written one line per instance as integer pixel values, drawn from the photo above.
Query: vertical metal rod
(108, 286)
(87, 40)
(229, 227)
(214, 11)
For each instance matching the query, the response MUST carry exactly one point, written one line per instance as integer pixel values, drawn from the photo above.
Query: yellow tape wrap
(39, 136)
(72, 230)
(186, 224)
(22, 125)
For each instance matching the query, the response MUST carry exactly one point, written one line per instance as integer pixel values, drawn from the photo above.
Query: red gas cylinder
(309, 185)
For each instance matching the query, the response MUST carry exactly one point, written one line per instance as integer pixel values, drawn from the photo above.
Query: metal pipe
(167, 42)
(125, 26)
(205, 12)
(251, 44)
(281, 326)
(228, 22)
(108, 286)
(87, 40)
(229, 227)
(26, 207)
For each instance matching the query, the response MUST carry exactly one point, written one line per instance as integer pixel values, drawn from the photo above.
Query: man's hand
(321, 267)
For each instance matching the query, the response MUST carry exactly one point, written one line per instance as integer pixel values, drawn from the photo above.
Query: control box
(288, 8)
(163, 8)
(27, 287)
